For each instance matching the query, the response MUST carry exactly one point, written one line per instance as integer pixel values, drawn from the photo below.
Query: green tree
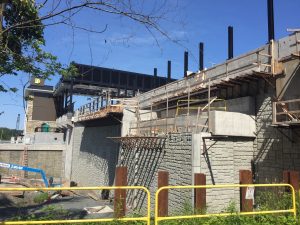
(6, 133)
(21, 47)
(23, 23)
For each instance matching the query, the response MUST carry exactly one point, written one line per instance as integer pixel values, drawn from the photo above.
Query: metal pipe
(271, 20)
(169, 71)
(201, 56)
(186, 63)
(208, 120)
(230, 42)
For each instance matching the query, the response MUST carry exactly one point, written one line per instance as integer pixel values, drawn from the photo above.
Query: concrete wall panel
(94, 156)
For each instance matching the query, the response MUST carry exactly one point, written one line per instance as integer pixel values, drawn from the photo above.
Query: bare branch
(86, 29)
(122, 8)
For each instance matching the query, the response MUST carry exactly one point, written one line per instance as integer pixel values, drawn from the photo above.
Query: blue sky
(126, 45)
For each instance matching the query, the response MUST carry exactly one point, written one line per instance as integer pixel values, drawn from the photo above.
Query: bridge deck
(102, 113)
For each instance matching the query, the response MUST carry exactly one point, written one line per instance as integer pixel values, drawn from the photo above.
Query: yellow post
(292, 210)
(147, 218)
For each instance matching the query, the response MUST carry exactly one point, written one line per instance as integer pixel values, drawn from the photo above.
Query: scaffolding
(286, 113)
(185, 105)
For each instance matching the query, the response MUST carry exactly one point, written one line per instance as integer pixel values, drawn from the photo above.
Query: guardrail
(97, 104)
(158, 218)
(257, 59)
(145, 218)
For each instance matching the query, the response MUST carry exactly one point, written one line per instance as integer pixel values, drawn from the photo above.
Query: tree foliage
(23, 23)
(21, 47)
(6, 133)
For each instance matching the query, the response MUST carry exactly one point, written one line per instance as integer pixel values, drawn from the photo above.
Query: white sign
(4, 165)
(250, 193)
(16, 167)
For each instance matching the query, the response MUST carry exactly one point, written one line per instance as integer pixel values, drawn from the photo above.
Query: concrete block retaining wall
(43, 157)
(221, 161)
(143, 165)
(94, 156)
(224, 158)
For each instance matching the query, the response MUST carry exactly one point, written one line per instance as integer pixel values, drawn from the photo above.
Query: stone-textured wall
(143, 165)
(277, 149)
(48, 160)
(94, 156)
(32, 124)
(221, 161)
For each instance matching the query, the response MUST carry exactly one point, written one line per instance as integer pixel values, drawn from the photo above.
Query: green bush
(41, 197)
(265, 200)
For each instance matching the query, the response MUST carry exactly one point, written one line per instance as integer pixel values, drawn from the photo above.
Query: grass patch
(41, 197)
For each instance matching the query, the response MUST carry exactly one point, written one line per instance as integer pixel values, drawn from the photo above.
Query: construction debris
(99, 209)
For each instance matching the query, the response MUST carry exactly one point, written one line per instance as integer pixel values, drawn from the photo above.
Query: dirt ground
(37, 205)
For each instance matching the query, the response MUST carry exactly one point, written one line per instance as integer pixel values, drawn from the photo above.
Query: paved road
(67, 207)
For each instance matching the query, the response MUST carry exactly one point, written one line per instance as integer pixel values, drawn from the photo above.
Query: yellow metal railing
(178, 107)
(145, 218)
(158, 218)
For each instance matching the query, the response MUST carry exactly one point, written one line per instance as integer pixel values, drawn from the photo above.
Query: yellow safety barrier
(178, 108)
(292, 210)
(146, 218)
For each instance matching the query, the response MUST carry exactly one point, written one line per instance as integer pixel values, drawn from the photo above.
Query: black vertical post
(186, 63)
(71, 108)
(201, 56)
(119, 83)
(66, 101)
(271, 20)
(127, 81)
(97, 104)
(135, 89)
(230, 42)
(169, 71)
(62, 104)
(155, 78)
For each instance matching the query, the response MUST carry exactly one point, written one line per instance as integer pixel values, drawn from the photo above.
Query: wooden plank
(294, 180)
(285, 108)
(226, 83)
(289, 101)
(262, 74)
(246, 205)
(286, 177)
(243, 79)
(163, 180)
(235, 82)
(288, 112)
(200, 193)
(120, 195)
